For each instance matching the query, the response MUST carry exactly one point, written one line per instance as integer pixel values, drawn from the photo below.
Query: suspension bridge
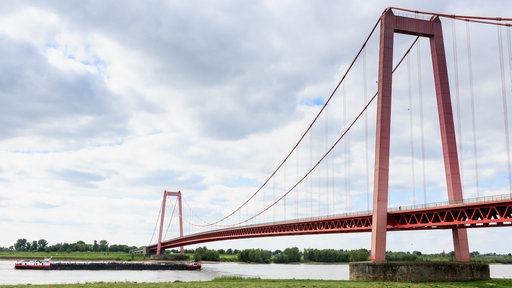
(441, 155)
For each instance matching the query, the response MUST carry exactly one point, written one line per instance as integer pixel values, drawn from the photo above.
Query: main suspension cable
(475, 19)
(485, 20)
(313, 168)
(307, 130)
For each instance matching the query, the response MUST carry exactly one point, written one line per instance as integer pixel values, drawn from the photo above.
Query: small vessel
(34, 264)
(193, 266)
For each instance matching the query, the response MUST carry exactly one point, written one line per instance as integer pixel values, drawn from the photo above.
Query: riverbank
(254, 282)
(123, 256)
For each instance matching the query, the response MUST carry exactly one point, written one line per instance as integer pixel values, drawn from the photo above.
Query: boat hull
(106, 266)
(33, 267)
(193, 266)
(34, 264)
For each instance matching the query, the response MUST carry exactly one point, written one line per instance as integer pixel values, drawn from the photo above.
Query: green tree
(21, 245)
(34, 246)
(65, 247)
(41, 245)
(358, 255)
(81, 246)
(400, 256)
(293, 254)
(103, 245)
(280, 258)
(254, 255)
(202, 253)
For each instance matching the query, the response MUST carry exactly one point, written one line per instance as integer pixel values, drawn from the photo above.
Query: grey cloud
(171, 179)
(80, 178)
(40, 100)
(233, 60)
(43, 205)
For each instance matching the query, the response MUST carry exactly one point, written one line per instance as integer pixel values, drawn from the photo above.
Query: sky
(106, 104)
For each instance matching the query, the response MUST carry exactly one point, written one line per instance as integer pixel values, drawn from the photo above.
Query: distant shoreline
(124, 256)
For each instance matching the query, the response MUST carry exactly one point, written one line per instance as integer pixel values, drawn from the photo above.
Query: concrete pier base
(418, 271)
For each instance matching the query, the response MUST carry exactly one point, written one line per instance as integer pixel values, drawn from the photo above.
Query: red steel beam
(474, 215)
(466, 216)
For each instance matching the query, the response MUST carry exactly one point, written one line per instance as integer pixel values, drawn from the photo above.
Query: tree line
(295, 255)
(289, 255)
(41, 245)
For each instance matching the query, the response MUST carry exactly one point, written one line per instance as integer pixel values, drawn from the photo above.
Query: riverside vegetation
(102, 250)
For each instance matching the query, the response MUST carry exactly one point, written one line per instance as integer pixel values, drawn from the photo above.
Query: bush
(289, 255)
(358, 255)
(326, 255)
(254, 255)
(401, 256)
(280, 258)
(204, 254)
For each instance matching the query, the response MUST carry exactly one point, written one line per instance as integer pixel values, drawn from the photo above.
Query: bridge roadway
(495, 212)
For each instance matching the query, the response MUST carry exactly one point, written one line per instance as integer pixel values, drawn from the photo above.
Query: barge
(47, 265)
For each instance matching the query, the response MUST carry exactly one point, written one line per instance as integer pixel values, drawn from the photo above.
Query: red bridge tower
(431, 29)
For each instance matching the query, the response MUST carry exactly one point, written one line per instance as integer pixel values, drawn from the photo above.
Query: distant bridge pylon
(162, 218)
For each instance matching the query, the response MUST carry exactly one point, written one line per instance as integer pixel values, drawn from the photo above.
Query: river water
(9, 275)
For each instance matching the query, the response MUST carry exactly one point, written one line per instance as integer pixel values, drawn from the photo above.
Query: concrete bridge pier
(419, 271)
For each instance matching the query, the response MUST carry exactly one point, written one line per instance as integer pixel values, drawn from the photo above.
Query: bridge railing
(448, 203)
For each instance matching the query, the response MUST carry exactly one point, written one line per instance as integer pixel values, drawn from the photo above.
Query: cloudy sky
(106, 104)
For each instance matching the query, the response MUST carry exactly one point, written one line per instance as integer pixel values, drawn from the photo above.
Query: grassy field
(86, 256)
(239, 282)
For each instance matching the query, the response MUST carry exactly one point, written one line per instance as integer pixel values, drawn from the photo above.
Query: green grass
(255, 282)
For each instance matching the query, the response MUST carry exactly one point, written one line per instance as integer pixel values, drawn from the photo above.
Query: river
(8, 275)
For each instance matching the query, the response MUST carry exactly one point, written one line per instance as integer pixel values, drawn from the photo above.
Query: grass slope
(244, 282)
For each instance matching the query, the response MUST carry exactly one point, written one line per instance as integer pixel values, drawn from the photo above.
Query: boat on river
(81, 265)
(193, 266)
(33, 264)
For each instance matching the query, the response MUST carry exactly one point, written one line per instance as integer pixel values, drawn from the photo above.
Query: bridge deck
(494, 213)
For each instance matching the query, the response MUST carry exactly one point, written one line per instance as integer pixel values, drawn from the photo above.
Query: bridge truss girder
(474, 215)
(477, 215)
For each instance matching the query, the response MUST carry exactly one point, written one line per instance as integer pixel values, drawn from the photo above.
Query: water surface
(9, 275)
